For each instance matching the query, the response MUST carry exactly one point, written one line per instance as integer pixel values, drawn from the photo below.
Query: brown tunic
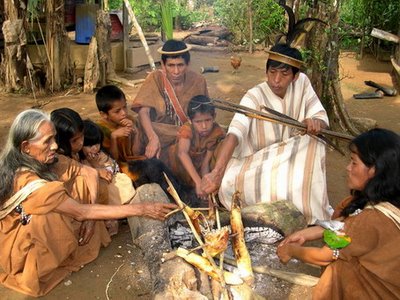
(128, 147)
(369, 268)
(197, 152)
(151, 94)
(38, 256)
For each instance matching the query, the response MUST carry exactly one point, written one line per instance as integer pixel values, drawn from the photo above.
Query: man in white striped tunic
(266, 161)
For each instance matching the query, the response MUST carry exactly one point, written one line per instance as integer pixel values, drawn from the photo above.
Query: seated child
(120, 188)
(122, 139)
(190, 156)
(70, 139)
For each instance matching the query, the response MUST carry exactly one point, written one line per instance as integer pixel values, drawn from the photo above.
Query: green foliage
(268, 18)
(233, 14)
(360, 16)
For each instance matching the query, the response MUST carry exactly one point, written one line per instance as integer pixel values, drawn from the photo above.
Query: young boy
(121, 134)
(190, 156)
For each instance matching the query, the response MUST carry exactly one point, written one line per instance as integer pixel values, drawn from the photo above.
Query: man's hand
(86, 232)
(314, 126)
(153, 148)
(211, 182)
(156, 211)
(200, 193)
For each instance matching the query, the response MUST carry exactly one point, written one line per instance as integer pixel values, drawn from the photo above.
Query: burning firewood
(239, 246)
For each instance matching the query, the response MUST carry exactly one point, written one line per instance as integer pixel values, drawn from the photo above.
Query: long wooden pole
(140, 33)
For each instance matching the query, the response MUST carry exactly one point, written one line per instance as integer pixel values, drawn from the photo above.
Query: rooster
(236, 60)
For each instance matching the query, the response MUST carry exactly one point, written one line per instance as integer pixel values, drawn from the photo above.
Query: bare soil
(118, 272)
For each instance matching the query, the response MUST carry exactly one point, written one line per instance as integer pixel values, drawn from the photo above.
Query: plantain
(204, 264)
(238, 244)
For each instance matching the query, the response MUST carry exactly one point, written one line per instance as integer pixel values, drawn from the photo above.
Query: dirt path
(121, 257)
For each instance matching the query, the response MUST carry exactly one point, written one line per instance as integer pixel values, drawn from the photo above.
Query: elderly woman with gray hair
(43, 232)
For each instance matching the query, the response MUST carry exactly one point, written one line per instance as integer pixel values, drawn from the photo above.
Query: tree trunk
(14, 63)
(58, 69)
(324, 65)
(103, 33)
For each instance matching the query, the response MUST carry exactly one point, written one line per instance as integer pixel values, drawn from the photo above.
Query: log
(173, 279)
(220, 32)
(208, 48)
(201, 40)
(384, 35)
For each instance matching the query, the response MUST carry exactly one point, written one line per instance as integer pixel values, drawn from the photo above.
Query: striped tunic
(274, 162)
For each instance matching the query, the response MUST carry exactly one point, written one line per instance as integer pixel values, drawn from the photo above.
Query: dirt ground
(119, 273)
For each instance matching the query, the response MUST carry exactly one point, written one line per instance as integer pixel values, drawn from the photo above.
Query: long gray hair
(24, 128)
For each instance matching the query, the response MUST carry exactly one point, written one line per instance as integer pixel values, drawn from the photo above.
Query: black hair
(93, 135)
(200, 104)
(107, 95)
(378, 148)
(174, 45)
(67, 123)
(92, 132)
(285, 50)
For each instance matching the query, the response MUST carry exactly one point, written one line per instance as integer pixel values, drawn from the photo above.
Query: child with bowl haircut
(121, 133)
(190, 157)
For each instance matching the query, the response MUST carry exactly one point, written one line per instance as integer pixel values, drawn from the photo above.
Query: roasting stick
(253, 113)
(176, 197)
(214, 201)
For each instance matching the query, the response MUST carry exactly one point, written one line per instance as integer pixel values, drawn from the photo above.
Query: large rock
(281, 215)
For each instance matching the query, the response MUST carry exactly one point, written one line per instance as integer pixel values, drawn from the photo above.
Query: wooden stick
(296, 278)
(252, 113)
(176, 197)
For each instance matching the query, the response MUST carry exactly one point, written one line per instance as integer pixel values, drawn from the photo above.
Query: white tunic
(274, 162)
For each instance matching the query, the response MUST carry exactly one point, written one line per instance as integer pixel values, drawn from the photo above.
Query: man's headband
(160, 50)
(285, 59)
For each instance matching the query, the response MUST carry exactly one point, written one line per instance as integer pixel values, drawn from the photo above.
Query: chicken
(236, 60)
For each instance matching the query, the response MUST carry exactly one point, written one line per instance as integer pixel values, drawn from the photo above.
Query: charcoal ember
(263, 235)
(181, 236)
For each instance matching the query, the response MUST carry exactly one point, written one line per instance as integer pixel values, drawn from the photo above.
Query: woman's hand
(284, 254)
(300, 237)
(157, 210)
(86, 232)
